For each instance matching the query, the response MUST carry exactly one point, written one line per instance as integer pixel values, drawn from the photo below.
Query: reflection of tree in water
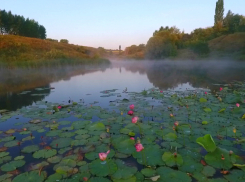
(167, 75)
(13, 101)
(17, 80)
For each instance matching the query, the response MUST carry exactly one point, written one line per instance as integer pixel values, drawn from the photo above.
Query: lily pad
(30, 149)
(102, 170)
(12, 165)
(207, 142)
(172, 160)
(44, 153)
(32, 176)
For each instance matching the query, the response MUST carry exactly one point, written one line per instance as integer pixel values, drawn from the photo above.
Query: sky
(110, 23)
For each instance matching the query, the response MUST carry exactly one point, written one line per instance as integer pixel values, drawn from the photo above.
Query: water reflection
(79, 81)
(14, 82)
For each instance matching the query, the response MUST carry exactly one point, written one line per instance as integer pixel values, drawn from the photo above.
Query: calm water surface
(21, 87)
(63, 83)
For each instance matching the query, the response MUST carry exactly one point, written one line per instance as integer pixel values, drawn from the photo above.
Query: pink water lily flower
(132, 138)
(130, 112)
(206, 93)
(220, 89)
(161, 91)
(135, 119)
(139, 147)
(59, 107)
(176, 123)
(131, 106)
(103, 156)
(237, 104)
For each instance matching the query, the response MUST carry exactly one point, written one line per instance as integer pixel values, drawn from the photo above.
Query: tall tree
(219, 12)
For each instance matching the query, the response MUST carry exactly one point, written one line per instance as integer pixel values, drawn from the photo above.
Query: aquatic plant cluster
(192, 135)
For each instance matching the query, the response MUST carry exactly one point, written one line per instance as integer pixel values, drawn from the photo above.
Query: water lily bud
(174, 128)
(85, 179)
(107, 130)
(231, 152)
(176, 123)
(206, 93)
(121, 113)
(175, 154)
(56, 144)
(220, 89)
(237, 104)
(222, 157)
(234, 130)
(171, 115)
(18, 143)
(24, 129)
(31, 134)
(103, 156)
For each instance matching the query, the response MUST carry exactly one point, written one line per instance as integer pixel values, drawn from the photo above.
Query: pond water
(95, 100)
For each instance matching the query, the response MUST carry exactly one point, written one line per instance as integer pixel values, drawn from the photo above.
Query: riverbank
(17, 50)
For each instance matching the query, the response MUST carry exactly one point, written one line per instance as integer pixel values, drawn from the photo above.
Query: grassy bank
(17, 50)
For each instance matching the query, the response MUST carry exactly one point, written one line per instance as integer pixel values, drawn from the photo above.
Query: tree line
(18, 25)
(167, 40)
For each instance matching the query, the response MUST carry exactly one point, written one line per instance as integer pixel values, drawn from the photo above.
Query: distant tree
(163, 43)
(42, 32)
(219, 13)
(18, 25)
(64, 41)
(233, 22)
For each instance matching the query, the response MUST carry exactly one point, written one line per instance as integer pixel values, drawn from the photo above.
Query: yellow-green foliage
(228, 43)
(17, 48)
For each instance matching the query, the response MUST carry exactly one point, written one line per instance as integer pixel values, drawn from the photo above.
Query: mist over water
(59, 84)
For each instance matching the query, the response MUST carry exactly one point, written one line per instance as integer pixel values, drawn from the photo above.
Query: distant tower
(119, 49)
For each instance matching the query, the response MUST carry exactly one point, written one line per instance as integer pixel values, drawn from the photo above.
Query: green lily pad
(208, 171)
(11, 166)
(54, 159)
(5, 176)
(32, 176)
(99, 179)
(11, 143)
(168, 174)
(215, 158)
(170, 137)
(172, 160)
(97, 126)
(202, 100)
(28, 138)
(44, 153)
(54, 177)
(123, 171)
(30, 149)
(102, 170)
(207, 142)
(19, 157)
(148, 172)
(62, 142)
(206, 109)
(3, 154)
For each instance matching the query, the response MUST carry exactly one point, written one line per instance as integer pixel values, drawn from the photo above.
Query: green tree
(219, 12)
(163, 43)
(64, 41)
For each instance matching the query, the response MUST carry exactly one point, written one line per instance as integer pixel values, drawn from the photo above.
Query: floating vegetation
(191, 135)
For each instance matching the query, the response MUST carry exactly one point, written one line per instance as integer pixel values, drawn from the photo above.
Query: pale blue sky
(110, 23)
